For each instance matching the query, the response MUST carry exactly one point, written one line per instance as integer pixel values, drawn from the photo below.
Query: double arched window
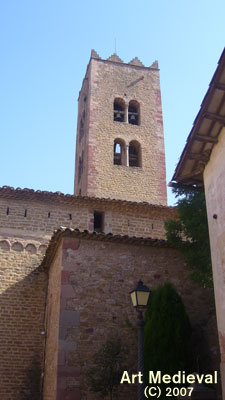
(124, 112)
(129, 156)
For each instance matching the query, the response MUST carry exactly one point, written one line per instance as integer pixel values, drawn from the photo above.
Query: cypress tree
(167, 334)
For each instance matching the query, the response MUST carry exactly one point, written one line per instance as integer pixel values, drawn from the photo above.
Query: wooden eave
(205, 132)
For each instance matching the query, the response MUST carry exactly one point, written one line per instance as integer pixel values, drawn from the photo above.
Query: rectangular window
(98, 221)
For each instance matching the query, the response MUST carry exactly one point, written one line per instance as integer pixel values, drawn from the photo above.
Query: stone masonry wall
(95, 303)
(109, 80)
(26, 225)
(52, 329)
(23, 289)
(81, 160)
(38, 218)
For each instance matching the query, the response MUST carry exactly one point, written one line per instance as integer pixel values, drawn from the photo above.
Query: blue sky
(45, 47)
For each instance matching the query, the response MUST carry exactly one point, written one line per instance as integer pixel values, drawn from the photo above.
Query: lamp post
(139, 297)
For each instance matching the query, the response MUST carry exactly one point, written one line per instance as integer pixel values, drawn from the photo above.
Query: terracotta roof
(204, 134)
(100, 237)
(38, 195)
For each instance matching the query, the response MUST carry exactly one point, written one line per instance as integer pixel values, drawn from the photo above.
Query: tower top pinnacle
(115, 58)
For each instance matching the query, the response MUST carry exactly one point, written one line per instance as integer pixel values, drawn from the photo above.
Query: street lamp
(139, 297)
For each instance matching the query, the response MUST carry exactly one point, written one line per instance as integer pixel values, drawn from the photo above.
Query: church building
(68, 262)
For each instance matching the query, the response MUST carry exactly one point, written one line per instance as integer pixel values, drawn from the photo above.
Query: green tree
(167, 334)
(108, 366)
(189, 233)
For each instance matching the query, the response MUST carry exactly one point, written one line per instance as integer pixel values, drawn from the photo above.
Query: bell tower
(120, 143)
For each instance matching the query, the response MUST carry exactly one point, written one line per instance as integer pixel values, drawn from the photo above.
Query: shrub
(108, 366)
(167, 334)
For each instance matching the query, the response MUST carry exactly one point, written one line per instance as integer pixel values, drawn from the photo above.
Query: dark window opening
(7, 211)
(133, 155)
(80, 166)
(81, 129)
(117, 154)
(119, 110)
(98, 221)
(25, 213)
(49, 214)
(133, 117)
(70, 217)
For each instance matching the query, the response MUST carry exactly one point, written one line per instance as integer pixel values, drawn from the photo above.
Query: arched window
(119, 110)
(118, 152)
(80, 166)
(133, 113)
(81, 129)
(134, 154)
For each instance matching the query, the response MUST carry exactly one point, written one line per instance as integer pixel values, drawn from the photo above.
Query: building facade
(202, 164)
(120, 143)
(58, 306)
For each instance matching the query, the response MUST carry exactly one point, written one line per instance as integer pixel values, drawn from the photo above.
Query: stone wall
(106, 80)
(91, 271)
(36, 214)
(52, 329)
(96, 277)
(81, 159)
(27, 220)
(23, 290)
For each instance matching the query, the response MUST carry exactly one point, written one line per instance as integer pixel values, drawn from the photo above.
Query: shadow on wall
(32, 386)
(22, 311)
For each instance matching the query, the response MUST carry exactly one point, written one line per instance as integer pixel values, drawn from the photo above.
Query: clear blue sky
(45, 46)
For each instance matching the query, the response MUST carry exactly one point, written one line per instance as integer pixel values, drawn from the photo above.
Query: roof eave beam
(220, 86)
(204, 138)
(215, 117)
(198, 157)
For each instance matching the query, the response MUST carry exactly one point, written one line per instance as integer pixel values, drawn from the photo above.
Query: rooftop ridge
(9, 191)
(98, 236)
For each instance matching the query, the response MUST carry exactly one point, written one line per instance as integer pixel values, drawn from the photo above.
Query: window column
(126, 114)
(127, 155)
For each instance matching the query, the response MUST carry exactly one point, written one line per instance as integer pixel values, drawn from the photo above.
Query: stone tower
(120, 143)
